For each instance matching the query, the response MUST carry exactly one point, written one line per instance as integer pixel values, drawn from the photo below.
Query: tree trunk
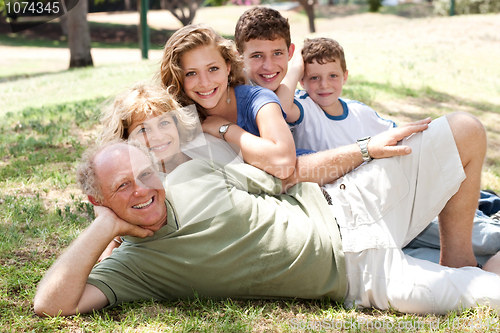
(79, 36)
(63, 20)
(310, 15)
(309, 8)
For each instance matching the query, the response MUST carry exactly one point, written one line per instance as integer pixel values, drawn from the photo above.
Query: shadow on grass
(416, 104)
(209, 315)
(27, 76)
(407, 10)
(103, 35)
(206, 315)
(426, 97)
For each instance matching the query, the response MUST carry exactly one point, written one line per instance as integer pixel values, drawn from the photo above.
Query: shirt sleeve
(257, 98)
(121, 282)
(262, 96)
(241, 176)
(250, 100)
(248, 178)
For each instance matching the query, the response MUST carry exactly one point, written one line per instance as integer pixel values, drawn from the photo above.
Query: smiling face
(159, 134)
(266, 61)
(205, 76)
(131, 187)
(323, 83)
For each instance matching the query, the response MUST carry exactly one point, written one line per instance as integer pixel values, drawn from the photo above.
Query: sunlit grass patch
(39, 147)
(71, 86)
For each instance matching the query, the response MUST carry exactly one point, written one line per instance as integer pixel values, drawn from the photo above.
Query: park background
(405, 61)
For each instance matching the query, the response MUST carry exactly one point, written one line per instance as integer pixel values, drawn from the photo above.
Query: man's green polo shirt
(230, 234)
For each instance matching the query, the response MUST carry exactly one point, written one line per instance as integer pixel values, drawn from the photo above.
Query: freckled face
(205, 76)
(266, 61)
(324, 82)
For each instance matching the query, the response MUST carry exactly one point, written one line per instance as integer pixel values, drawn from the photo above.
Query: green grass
(406, 69)
(76, 85)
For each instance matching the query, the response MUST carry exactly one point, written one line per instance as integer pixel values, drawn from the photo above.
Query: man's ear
(291, 49)
(93, 201)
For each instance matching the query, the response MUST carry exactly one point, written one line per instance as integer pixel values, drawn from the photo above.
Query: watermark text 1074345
(34, 7)
(23, 15)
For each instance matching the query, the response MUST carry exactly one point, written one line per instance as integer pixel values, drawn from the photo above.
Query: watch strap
(363, 146)
(223, 129)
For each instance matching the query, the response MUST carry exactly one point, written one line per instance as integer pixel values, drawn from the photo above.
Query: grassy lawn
(405, 68)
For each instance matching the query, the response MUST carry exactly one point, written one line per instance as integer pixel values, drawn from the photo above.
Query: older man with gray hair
(232, 232)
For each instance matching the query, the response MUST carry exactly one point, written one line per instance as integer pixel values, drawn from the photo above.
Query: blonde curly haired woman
(151, 115)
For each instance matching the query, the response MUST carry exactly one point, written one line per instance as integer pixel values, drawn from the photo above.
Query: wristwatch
(223, 129)
(363, 145)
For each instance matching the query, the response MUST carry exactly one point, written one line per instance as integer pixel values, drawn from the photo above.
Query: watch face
(223, 129)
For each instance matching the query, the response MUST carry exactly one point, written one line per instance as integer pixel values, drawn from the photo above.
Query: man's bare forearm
(326, 166)
(329, 165)
(62, 288)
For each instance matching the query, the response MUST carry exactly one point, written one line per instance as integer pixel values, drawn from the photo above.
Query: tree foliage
(374, 5)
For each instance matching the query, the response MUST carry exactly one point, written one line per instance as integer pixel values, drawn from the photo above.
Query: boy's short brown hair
(261, 23)
(323, 50)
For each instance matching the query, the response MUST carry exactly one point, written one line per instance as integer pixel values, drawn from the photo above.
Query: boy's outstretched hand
(385, 144)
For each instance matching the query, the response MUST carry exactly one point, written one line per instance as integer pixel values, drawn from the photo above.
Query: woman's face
(160, 135)
(205, 76)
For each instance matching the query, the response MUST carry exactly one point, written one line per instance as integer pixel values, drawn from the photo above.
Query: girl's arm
(273, 151)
